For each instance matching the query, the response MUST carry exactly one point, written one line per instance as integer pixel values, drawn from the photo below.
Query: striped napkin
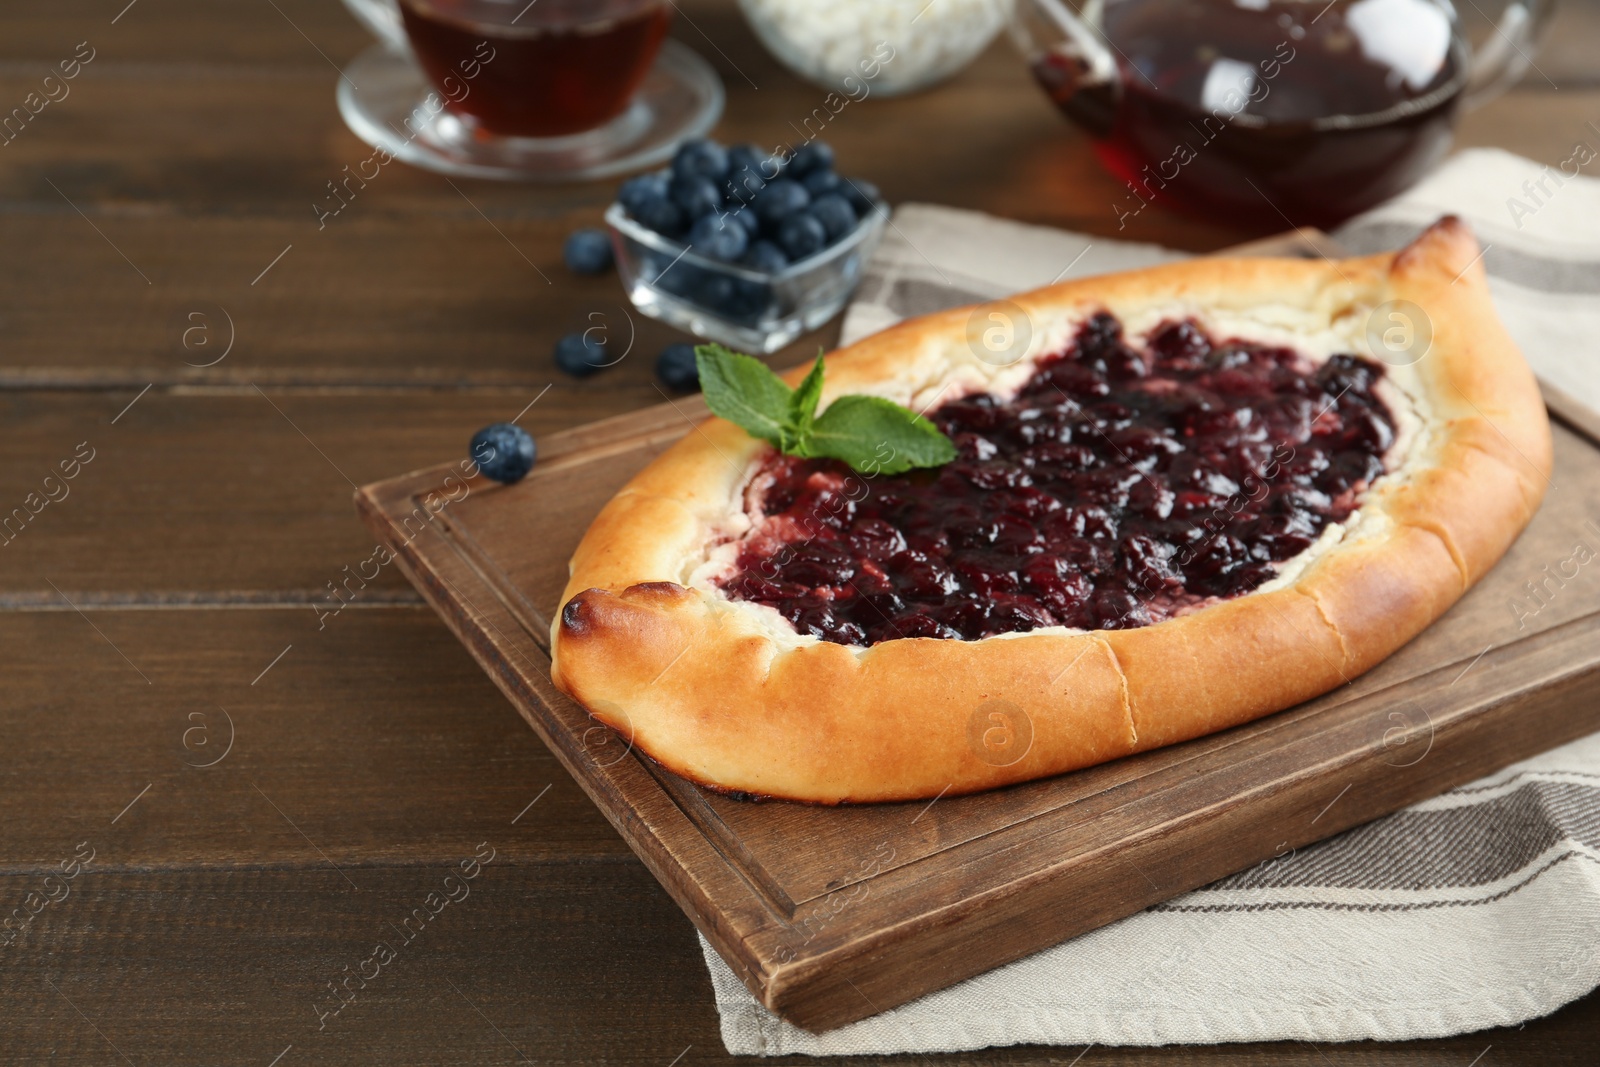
(1478, 908)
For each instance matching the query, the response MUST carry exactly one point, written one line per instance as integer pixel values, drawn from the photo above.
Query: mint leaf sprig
(870, 434)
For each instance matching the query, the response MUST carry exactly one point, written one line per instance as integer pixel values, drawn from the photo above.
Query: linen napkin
(1474, 909)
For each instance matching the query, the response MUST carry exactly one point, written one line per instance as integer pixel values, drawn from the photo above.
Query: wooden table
(177, 595)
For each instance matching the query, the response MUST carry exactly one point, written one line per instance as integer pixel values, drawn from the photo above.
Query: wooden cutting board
(833, 914)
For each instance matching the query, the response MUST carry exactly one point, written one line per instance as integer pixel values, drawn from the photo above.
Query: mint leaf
(871, 434)
(742, 390)
(803, 401)
(877, 436)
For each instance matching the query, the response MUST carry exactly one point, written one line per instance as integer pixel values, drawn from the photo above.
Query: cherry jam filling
(1122, 485)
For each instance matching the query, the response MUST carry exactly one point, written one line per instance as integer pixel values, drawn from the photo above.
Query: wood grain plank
(228, 33)
(240, 497)
(568, 963)
(374, 741)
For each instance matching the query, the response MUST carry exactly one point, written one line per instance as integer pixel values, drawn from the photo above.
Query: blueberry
(717, 292)
(810, 157)
(652, 264)
(504, 452)
(801, 235)
(700, 159)
(779, 200)
(863, 196)
(679, 279)
(676, 368)
(637, 190)
(748, 172)
(836, 215)
(696, 196)
(749, 157)
(765, 256)
(750, 298)
(587, 252)
(744, 155)
(743, 184)
(661, 215)
(747, 218)
(719, 238)
(580, 355)
(821, 182)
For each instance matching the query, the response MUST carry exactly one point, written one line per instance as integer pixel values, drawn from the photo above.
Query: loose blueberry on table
(675, 366)
(504, 452)
(580, 354)
(1122, 484)
(587, 252)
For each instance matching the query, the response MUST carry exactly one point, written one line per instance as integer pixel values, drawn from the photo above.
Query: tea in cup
(527, 88)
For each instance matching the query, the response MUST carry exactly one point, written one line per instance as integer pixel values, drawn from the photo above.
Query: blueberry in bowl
(835, 213)
(744, 247)
(779, 200)
(719, 238)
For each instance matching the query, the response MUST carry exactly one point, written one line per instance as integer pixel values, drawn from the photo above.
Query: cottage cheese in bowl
(887, 47)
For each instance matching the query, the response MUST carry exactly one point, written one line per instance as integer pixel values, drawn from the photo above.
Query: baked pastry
(1198, 494)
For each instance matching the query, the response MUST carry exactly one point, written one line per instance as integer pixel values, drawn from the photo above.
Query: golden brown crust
(720, 693)
(705, 696)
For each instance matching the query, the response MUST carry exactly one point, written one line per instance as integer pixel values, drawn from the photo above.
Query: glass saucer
(381, 99)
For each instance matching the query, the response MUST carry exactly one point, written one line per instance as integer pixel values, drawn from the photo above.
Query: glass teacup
(513, 88)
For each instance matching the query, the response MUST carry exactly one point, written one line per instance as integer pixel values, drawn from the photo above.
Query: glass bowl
(876, 47)
(745, 309)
